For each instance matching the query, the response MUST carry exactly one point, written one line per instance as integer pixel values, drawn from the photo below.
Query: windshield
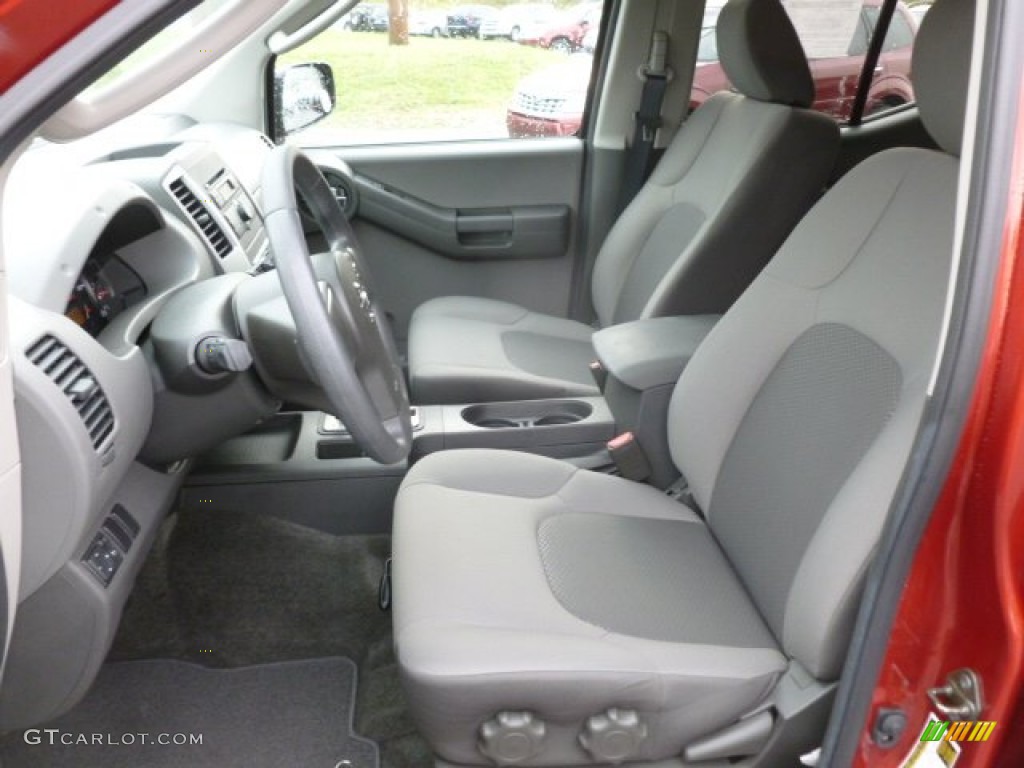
(162, 41)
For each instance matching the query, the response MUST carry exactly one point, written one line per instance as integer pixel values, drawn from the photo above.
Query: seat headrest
(941, 68)
(761, 53)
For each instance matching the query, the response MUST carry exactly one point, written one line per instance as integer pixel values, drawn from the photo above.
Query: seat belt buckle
(679, 491)
(599, 373)
(629, 457)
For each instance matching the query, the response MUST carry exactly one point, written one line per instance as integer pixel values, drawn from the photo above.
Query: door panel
(494, 219)
(506, 232)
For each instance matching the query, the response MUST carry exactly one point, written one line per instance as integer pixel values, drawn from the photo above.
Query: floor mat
(282, 715)
(227, 588)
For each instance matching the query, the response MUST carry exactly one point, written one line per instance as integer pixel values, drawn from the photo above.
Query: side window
(890, 85)
(900, 34)
(707, 51)
(461, 72)
(835, 35)
(861, 34)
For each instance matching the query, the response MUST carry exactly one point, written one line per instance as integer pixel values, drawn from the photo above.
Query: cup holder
(556, 419)
(497, 423)
(527, 414)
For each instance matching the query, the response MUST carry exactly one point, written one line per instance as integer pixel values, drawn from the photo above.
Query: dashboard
(126, 254)
(100, 236)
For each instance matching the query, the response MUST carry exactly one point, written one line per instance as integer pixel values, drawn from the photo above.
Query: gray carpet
(227, 589)
(282, 715)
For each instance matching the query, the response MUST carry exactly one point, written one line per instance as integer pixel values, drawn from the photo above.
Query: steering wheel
(343, 333)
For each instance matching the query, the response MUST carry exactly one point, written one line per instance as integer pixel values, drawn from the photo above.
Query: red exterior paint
(963, 605)
(30, 30)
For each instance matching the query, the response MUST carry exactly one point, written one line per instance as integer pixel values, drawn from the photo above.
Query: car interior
(458, 453)
(738, 175)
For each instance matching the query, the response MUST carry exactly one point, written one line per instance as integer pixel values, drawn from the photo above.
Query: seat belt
(647, 119)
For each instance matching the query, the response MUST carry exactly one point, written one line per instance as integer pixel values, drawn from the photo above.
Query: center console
(304, 466)
(643, 360)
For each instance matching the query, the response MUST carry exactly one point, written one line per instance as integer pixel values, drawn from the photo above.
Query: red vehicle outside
(567, 34)
(551, 102)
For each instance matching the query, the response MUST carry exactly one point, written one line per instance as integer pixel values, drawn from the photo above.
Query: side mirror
(303, 95)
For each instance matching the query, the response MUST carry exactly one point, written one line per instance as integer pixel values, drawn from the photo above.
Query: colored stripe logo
(969, 730)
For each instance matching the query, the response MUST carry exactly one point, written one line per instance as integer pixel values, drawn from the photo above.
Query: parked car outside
(551, 102)
(428, 23)
(369, 17)
(589, 42)
(516, 21)
(344, 22)
(566, 33)
(466, 20)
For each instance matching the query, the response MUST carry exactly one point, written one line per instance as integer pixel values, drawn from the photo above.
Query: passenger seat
(739, 175)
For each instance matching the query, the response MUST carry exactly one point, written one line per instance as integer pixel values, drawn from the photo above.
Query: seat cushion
(523, 583)
(466, 350)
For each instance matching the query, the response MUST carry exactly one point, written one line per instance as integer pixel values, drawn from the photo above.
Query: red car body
(566, 35)
(962, 605)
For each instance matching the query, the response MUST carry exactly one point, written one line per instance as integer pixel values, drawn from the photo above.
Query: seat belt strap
(647, 119)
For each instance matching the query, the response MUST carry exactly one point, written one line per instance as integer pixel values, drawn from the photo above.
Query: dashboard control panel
(105, 287)
(220, 207)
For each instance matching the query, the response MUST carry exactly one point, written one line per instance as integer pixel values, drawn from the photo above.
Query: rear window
(835, 35)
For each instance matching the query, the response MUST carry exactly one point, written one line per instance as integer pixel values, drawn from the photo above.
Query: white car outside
(428, 23)
(515, 21)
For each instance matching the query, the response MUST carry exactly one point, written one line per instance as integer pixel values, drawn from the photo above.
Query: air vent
(75, 380)
(199, 213)
(344, 193)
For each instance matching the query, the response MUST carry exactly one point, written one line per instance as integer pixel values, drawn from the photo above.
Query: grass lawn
(431, 85)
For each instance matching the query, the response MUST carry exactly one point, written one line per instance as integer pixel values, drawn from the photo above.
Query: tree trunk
(398, 22)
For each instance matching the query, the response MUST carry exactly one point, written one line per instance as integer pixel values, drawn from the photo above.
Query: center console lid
(651, 353)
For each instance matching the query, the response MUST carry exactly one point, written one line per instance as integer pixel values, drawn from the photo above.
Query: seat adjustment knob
(614, 735)
(510, 738)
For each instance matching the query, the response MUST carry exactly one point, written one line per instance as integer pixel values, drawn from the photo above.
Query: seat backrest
(737, 177)
(795, 419)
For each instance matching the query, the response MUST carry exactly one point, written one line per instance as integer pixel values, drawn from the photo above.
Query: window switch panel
(103, 558)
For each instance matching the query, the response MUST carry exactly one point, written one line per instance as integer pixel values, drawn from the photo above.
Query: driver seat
(546, 615)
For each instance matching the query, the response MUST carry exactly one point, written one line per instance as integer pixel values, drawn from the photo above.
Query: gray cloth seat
(490, 614)
(499, 351)
(538, 601)
(737, 177)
